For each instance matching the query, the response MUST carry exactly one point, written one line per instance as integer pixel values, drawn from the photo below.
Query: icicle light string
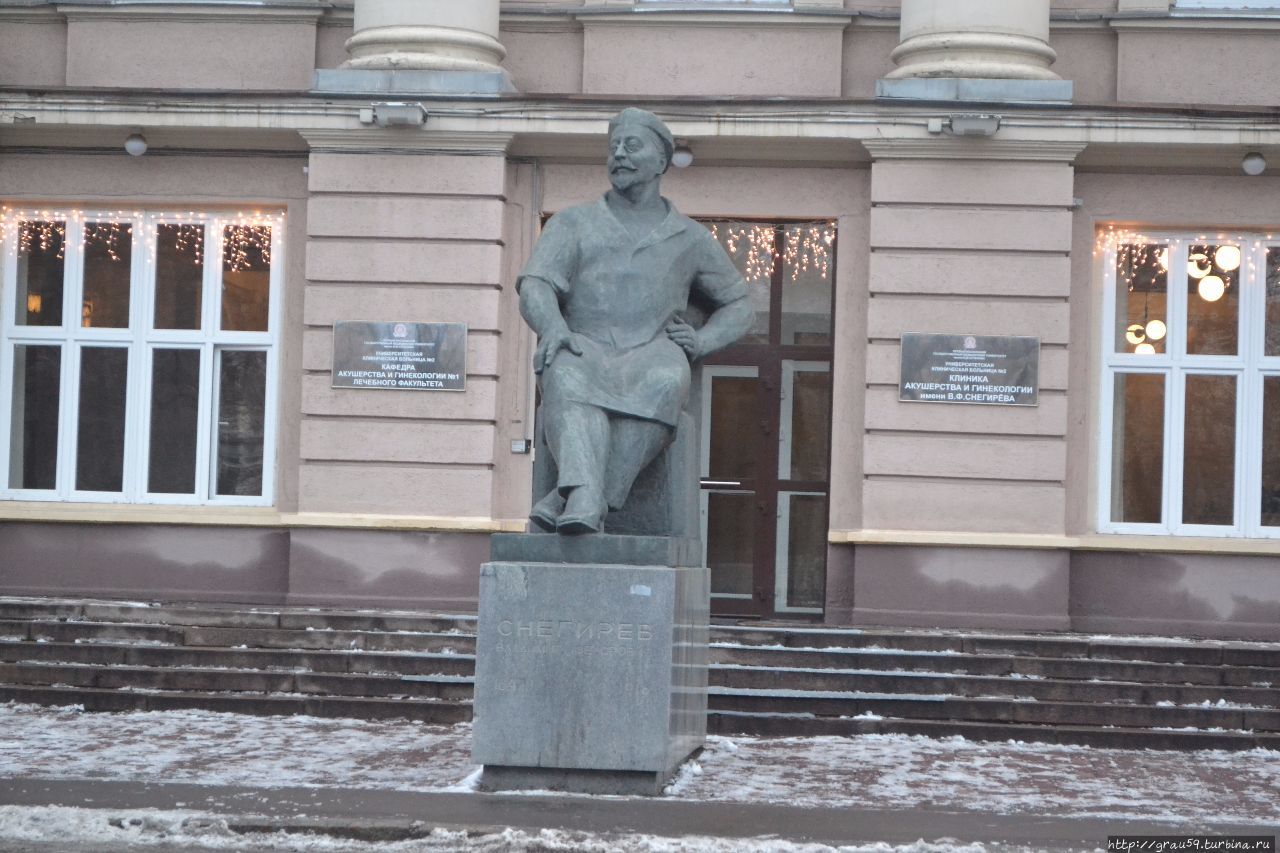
(245, 235)
(806, 247)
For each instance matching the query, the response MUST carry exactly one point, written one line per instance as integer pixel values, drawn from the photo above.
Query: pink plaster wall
(191, 54)
(1185, 66)
(544, 62)
(33, 53)
(636, 58)
(412, 238)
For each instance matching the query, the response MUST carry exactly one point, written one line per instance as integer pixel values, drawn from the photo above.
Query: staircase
(768, 679)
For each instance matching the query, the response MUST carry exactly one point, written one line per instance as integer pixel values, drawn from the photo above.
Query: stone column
(974, 39)
(425, 35)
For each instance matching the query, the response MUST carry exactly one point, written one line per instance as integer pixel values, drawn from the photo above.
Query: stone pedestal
(589, 677)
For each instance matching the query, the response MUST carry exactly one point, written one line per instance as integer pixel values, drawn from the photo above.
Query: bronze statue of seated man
(606, 290)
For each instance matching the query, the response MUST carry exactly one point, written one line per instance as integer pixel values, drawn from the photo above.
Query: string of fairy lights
(806, 247)
(246, 237)
(1214, 262)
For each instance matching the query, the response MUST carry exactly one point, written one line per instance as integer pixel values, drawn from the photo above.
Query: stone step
(223, 637)
(1111, 737)
(441, 712)
(1149, 649)
(1062, 690)
(989, 709)
(232, 616)
(454, 687)
(314, 660)
(955, 662)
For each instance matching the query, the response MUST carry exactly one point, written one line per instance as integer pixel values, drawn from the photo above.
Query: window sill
(1035, 541)
(217, 516)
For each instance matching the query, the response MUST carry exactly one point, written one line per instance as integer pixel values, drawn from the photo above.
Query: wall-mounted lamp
(135, 145)
(974, 124)
(1253, 163)
(34, 303)
(682, 156)
(394, 114)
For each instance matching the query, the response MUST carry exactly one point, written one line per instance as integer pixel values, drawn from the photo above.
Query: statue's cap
(644, 118)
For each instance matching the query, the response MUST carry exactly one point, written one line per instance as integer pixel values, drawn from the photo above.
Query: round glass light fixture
(1156, 330)
(1211, 288)
(1134, 334)
(682, 156)
(1194, 268)
(1144, 349)
(1227, 258)
(1253, 163)
(135, 144)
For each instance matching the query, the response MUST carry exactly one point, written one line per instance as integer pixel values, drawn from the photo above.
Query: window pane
(246, 277)
(1273, 302)
(33, 442)
(104, 375)
(242, 396)
(1137, 460)
(1209, 451)
(806, 550)
(41, 263)
(807, 271)
(1142, 286)
(1213, 299)
(108, 252)
(731, 541)
(810, 425)
(751, 248)
(1271, 451)
(179, 276)
(175, 406)
(735, 443)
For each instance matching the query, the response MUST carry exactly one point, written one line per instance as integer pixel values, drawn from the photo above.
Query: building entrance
(766, 428)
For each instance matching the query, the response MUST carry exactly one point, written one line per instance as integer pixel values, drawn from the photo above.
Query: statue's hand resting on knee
(551, 345)
(686, 337)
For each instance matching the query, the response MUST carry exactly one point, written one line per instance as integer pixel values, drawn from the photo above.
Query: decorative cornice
(951, 148)
(716, 17)
(531, 22)
(1196, 23)
(208, 11)
(408, 141)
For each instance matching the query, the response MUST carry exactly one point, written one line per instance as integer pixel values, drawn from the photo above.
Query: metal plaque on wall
(400, 356)
(991, 370)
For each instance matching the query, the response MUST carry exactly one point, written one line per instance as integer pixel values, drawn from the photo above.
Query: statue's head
(640, 148)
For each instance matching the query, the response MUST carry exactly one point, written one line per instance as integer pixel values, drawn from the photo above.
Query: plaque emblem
(400, 330)
(970, 342)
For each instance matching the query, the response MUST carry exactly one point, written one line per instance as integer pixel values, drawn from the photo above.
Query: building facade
(197, 195)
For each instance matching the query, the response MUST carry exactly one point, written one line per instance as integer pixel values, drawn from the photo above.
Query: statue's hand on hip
(685, 337)
(551, 345)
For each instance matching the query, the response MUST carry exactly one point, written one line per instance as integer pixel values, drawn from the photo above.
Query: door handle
(719, 483)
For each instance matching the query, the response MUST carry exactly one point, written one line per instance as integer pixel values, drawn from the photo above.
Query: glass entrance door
(766, 427)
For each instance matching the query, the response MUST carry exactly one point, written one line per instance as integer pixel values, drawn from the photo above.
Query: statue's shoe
(547, 511)
(584, 512)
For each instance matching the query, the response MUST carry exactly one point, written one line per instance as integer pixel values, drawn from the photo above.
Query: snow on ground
(100, 831)
(867, 771)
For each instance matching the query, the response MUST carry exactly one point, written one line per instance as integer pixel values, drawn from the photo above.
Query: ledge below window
(1036, 541)
(87, 513)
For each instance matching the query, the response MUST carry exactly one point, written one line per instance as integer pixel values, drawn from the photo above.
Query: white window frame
(1250, 366)
(142, 341)
(1228, 5)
